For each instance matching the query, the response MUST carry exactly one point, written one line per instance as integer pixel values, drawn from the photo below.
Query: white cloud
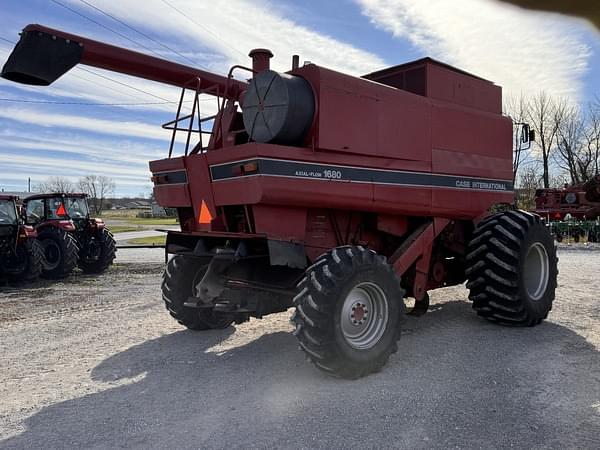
(234, 27)
(39, 118)
(520, 50)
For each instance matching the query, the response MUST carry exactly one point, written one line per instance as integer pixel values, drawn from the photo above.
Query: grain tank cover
(440, 81)
(278, 108)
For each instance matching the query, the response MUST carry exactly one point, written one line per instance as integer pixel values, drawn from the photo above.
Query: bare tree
(528, 182)
(592, 137)
(578, 143)
(545, 116)
(519, 111)
(559, 181)
(98, 188)
(55, 184)
(569, 139)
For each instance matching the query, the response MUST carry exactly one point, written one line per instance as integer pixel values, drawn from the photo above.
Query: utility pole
(29, 184)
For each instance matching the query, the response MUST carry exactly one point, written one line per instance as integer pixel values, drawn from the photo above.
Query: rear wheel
(103, 254)
(59, 252)
(348, 311)
(28, 258)
(512, 269)
(180, 279)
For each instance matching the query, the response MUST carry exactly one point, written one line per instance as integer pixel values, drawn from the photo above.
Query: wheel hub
(536, 272)
(51, 255)
(364, 316)
(359, 313)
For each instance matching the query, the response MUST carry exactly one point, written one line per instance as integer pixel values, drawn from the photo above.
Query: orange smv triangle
(60, 211)
(205, 216)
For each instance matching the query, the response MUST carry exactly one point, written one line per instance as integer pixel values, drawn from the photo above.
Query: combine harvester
(333, 194)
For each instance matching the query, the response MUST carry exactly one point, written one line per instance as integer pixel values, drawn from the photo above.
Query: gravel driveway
(96, 362)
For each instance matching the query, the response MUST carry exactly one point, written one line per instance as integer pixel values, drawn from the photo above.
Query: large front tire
(512, 269)
(29, 257)
(106, 252)
(60, 252)
(348, 311)
(179, 280)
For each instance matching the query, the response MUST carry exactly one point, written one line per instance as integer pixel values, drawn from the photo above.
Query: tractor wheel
(106, 251)
(59, 252)
(348, 311)
(181, 276)
(29, 258)
(512, 269)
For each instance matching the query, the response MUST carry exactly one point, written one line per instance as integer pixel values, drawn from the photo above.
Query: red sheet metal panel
(469, 131)
(455, 87)
(361, 117)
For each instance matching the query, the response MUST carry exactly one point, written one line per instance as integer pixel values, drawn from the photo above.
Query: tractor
(68, 235)
(20, 252)
(335, 195)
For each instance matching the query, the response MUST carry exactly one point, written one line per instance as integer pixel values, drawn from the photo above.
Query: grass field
(124, 229)
(153, 221)
(152, 240)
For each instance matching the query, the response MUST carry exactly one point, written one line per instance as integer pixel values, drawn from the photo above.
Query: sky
(68, 129)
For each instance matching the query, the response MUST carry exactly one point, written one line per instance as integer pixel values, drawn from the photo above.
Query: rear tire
(60, 252)
(348, 310)
(32, 254)
(179, 278)
(512, 269)
(108, 250)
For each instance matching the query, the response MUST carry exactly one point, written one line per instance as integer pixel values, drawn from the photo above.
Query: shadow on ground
(457, 381)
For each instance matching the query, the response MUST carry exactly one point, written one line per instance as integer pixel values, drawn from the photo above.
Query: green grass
(124, 229)
(153, 221)
(120, 213)
(152, 240)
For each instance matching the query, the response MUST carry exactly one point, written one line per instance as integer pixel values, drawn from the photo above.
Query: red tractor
(68, 236)
(336, 195)
(20, 253)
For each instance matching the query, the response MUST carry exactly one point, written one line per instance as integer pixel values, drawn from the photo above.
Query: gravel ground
(96, 362)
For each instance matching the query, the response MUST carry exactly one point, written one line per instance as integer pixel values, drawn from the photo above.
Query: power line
(7, 40)
(101, 11)
(105, 27)
(124, 84)
(203, 27)
(51, 102)
(132, 87)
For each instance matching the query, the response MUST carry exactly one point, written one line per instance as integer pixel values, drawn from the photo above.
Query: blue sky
(521, 51)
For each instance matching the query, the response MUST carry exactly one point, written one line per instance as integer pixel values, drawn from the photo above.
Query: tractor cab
(19, 255)
(9, 221)
(69, 210)
(68, 235)
(8, 211)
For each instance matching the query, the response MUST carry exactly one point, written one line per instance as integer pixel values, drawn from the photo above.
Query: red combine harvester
(336, 195)
(580, 201)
